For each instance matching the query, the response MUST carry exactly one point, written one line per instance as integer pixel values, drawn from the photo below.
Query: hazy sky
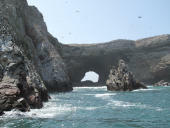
(91, 21)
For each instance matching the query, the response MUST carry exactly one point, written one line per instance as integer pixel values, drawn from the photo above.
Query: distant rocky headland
(33, 62)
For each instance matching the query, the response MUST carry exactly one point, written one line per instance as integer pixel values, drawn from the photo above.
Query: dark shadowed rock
(18, 78)
(48, 60)
(121, 79)
(29, 58)
(40, 47)
(148, 59)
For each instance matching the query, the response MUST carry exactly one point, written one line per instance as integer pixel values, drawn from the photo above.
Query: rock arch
(148, 58)
(91, 76)
(98, 58)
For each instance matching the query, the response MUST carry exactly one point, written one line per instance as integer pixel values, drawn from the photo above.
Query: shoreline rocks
(162, 83)
(121, 79)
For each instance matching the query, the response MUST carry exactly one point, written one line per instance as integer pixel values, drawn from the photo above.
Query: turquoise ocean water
(95, 107)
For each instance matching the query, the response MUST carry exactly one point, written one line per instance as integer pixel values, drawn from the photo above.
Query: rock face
(48, 60)
(37, 44)
(99, 58)
(122, 80)
(21, 87)
(29, 58)
(148, 59)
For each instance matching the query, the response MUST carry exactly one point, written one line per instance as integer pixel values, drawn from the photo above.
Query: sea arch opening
(91, 76)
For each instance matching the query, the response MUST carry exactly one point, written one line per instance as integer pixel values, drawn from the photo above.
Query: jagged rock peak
(121, 79)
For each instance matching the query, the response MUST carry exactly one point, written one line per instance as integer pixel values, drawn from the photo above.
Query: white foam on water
(149, 86)
(89, 94)
(53, 108)
(47, 112)
(12, 114)
(101, 95)
(166, 86)
(129, 104)
(78, 88)
(105, 96)
(50, 110)
(150, 89)
(91, 108)
(88, 108)
(121, 104)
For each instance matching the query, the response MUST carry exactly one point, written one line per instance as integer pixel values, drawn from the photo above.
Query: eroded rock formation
(21, 86)
(121, 79)
(29, 58)
(148, 59)
(37, 44)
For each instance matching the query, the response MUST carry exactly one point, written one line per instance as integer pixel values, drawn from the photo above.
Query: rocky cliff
(29, 58)
(148, 59)
(37, 44)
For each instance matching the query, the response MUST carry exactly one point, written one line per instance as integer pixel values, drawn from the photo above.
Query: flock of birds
(78, 11)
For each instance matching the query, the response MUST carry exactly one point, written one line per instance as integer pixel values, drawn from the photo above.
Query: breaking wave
(130, 105)
(93, 105)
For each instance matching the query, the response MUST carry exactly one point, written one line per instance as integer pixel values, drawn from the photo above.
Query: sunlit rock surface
(37, 44)
(121, 79)
(29, 58)
(21, 87)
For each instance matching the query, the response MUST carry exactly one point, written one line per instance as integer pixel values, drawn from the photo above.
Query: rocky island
(33, 62)
(121, 79)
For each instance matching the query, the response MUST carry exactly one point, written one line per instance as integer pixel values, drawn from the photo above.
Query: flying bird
(139, 17)
(77, 11)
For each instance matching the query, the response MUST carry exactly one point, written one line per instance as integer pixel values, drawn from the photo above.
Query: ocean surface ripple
(95, 107)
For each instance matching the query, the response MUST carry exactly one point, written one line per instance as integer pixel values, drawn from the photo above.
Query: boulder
(121, 79)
